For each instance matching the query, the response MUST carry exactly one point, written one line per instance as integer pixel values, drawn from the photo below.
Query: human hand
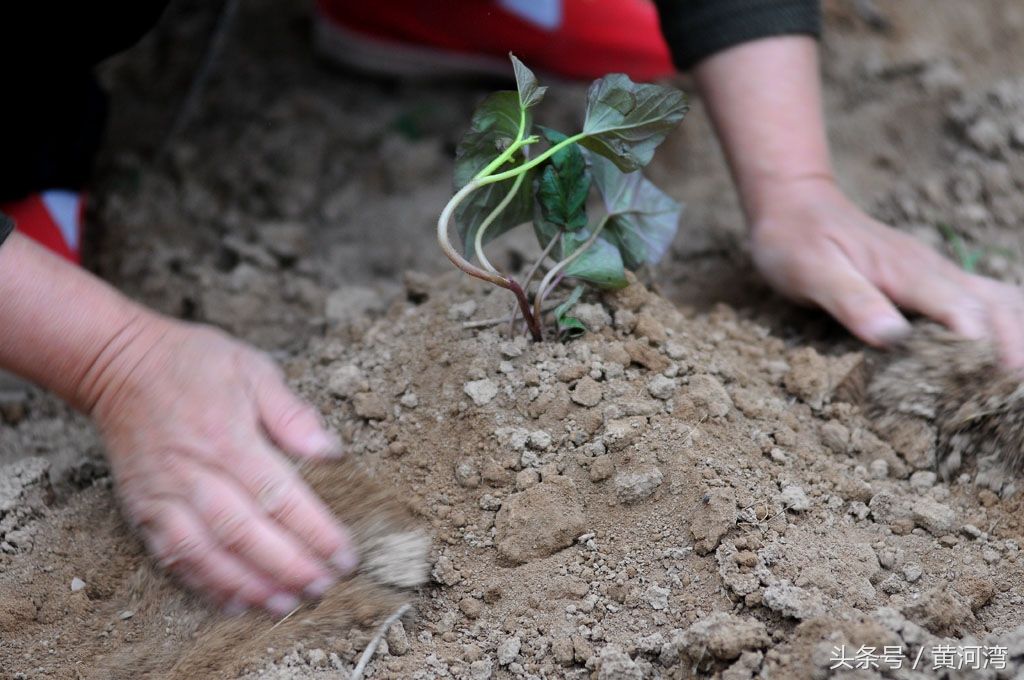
(195, 424)
(814, 245)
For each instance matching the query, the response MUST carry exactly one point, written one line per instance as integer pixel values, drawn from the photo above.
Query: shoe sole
(361, 52)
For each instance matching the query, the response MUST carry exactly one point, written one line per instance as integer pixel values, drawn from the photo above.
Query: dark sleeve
(6, 227)
(53, 110)
(695, 29)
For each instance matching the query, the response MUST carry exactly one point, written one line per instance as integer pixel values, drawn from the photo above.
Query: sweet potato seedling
(500, 184)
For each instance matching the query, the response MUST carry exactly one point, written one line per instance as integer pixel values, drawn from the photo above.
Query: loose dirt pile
(689, 490)
(669, 494)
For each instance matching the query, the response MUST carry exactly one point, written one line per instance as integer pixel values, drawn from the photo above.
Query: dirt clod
(539, 521)
(633, 487)
(587, 392)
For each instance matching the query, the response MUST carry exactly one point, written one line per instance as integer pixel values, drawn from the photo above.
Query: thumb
(292, 423)
(856, 303)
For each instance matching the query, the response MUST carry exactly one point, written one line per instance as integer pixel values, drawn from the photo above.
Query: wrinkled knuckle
(297, 412)
(233, 530)
(285, 510)
(276, 496)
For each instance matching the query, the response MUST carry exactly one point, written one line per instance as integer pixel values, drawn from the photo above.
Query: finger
(284, 497)
(177, 538)
(1009, 332)
(235, 521)
(293, 424)
(927, 283)
(1006, 318)
(856, 303)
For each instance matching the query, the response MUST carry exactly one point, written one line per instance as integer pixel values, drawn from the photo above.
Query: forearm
(60, 326)
(764, 98)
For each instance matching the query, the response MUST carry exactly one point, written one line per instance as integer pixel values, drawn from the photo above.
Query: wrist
(63, 328)
(113, 363)
(772, 195)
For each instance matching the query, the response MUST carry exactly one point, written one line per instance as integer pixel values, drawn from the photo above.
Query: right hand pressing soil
(196, 424)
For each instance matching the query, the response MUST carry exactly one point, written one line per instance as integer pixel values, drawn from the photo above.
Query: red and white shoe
(52, 218)
(572, 38)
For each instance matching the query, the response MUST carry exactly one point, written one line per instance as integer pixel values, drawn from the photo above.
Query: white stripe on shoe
(65, 209)
(546, 14)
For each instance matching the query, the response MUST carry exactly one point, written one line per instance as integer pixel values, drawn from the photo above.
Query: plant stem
(540, 260)
(477, 272)
(554, 271)
(529, 165)
(506, 155)
(530, 274)
(494, 321)
(520, 141)
(532, 321)
(498, 209)
(449, 250)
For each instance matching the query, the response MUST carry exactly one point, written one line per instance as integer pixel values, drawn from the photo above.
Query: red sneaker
(573, 38)
(52, 218)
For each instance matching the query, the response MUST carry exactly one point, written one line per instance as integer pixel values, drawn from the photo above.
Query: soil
(709, 483)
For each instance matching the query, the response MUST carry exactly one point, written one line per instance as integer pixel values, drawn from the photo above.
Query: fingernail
(887, 329)
(235, 607)
(323, 443)
(281, 604)
(317, 588)
(345, 560)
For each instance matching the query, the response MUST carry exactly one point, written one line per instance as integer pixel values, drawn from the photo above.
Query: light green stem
(542, 291)
(520, 141)
(449, 250)
(498, 209)
(529, 165)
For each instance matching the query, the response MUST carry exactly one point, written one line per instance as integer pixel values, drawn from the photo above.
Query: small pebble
(879, 469)
(661, 387)
(795, 498)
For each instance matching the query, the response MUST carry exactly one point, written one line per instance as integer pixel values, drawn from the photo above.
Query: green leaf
(601, 264)
(569, 326)
(626, 121)
(473, 211)
(494, 127)
(545, 231)
(564, 186)
(530, 93)
(643, 219)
